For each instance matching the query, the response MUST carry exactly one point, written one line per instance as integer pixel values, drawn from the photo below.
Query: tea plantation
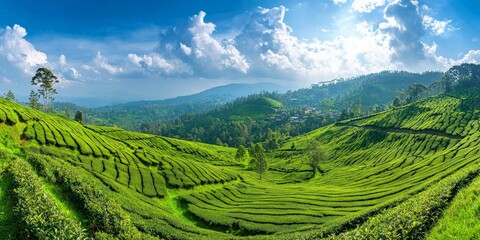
(406, 173)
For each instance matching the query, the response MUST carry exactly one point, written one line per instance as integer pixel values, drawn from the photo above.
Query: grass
(461, 220)
(66, 205)
(8, 225)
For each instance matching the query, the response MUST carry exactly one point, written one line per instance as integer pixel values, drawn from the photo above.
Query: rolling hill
(258, 109)
(131, 115)
(376, 88)
(388, 176)
(301, 111)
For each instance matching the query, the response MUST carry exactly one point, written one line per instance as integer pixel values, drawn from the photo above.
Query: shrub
(39, 214)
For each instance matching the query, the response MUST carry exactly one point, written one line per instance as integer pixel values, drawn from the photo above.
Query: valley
(387, 175)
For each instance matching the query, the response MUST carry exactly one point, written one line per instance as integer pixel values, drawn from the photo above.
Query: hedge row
(413, 218)
(104, 214)
(39, 214)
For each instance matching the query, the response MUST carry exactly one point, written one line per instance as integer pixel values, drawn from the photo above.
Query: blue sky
(130, 50)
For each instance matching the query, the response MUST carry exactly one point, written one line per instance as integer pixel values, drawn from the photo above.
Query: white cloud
(185, 49)
(338, 2)
(192, 49)
(154, 62)
(438, 27)
(68, 72)
(19, 51)
(269, 44)
(366, 6)
(62, 60)
(405, 28)
(208, 50)
(102, 63)
(473, 56)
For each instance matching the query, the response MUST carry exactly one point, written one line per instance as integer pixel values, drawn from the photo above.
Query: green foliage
(415, 92)
(460, 220)
(46, 81)
(104, 214)
(397, 102)
(412, 219)
(79, 116)
(461, 77)
(317, 156)
(259, 161)
(68, 113)
(241, 153)
(33, 100)
(39, 214)
(10, 96)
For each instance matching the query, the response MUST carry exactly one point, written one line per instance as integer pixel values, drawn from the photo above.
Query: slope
(131, 115)
(137, 186)
(376, 88)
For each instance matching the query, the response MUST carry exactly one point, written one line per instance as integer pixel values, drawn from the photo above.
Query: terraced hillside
(387, 176)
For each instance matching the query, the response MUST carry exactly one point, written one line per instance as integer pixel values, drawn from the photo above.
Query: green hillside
(387, 176)
(258, 109)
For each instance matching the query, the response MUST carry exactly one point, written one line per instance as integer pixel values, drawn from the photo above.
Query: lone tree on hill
(79, 116)
(45, 79)
(259, 162)
(33, 100)
(397, 102)
(241, 152)
(68, 113)
(317, 155)
(10, 96)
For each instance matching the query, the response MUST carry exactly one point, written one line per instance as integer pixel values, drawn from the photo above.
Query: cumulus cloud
(68, 71)
(366, 6)
(102, 63)
(473, 56)
(155, 63)
(405, 27)
(438, 27)
(266, 46)
(269, 43)
(18, 51)
(192, 49)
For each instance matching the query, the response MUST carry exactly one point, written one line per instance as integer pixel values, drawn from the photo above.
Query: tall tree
(397, 102)
(259, 162)
(68, 113)
(241, 153)
(357, 108)
(10, 96)
(33, 100)
(316, 157)
(45, 79)
(79, 116)
(415, 92)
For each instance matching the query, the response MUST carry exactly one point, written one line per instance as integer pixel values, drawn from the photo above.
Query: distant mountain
(131, 115)
(224, 93)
